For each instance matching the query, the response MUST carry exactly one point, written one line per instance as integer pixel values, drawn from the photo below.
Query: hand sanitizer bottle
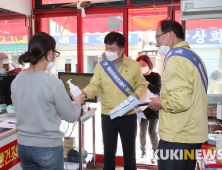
(219, 144)
(74, 90)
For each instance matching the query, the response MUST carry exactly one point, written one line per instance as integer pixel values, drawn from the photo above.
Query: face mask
(50, 65)
(144, 69)
(163, 50)
(111, 56)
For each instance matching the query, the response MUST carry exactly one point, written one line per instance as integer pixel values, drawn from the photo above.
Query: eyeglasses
(160, 35)
(56, 53)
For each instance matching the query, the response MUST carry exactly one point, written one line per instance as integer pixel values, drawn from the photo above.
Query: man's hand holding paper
(155, 104)
(146, 98)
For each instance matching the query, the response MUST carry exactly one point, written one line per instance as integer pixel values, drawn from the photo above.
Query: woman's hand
(84, 94)
(80, 98)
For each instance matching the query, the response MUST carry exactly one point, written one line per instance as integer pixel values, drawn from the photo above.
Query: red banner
(9, 155)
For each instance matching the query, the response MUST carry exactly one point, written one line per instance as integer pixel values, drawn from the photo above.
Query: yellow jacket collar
(183, 44)
(125, 60)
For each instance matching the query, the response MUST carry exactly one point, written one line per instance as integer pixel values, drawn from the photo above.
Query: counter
(9, 159)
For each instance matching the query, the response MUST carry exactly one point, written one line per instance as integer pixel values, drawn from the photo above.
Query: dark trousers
(126, 126)
(168, 164)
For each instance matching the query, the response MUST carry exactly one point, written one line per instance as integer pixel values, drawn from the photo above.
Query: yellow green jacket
(111, 95)
(183, 118)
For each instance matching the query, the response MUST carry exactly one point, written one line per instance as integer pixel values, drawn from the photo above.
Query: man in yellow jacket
(183, 122)
(111, 96)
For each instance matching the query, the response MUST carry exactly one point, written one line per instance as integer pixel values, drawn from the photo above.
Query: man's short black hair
(170, 25)
(115, 37)
(215, 75)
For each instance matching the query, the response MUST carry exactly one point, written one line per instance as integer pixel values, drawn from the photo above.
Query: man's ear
(172, 35)
(122, 49)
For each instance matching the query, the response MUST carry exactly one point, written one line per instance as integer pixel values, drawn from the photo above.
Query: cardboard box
(69, 140)
(70, 145)
(66, 150)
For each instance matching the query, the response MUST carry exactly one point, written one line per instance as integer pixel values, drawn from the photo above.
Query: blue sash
(121, 83)
(183, 52)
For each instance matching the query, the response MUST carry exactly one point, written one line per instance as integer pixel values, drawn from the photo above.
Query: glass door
(64, 30)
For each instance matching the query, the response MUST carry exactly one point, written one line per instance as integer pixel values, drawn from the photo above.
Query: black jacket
(154, 80)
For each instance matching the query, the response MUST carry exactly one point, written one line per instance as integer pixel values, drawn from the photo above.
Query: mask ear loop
(48, 58)
(170, 42)
(118, 51)
(165, 40)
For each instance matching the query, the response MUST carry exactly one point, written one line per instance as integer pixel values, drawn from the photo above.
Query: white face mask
(50, 65)
(144, 69)
(111, 56)
(163, 50)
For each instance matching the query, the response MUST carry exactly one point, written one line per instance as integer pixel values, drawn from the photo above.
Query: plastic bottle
(219, 143)
(74, 90)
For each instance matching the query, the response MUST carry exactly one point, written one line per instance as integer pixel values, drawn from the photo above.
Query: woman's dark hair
(170, 25)
(147, 60)
(215, 75)
(38, 47)
(115, 37)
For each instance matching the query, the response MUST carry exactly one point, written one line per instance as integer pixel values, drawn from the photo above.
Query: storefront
(80, 40)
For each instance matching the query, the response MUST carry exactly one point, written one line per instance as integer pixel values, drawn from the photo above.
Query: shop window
(63, 30)
(91, 63)
(142, 36)
(205, 38)
(14, 39)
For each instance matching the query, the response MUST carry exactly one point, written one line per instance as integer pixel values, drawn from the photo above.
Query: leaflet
(125, 106)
